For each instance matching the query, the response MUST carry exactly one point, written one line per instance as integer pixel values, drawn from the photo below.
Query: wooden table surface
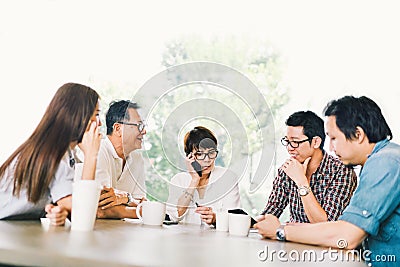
(129, 243)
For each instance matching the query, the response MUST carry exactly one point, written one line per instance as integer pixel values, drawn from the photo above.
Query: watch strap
(280, 233)
(130, 198)
(305, 188)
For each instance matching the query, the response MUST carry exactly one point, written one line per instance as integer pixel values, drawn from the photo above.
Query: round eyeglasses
(212, 154)
(294, 144)
(139, 125)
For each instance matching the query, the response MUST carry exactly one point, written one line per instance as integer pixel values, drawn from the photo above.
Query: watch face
(303, 191)
(280, 235)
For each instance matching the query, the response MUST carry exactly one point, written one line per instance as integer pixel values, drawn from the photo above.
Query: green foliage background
(256, 59)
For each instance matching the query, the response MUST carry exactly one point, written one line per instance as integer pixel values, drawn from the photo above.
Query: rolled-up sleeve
(377, 196)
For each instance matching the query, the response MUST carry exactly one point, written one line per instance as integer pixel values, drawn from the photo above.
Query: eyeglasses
(212, 154)
(139, 125)
(294, 144)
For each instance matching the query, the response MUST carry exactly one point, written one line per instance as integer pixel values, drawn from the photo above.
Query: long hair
(65, 121)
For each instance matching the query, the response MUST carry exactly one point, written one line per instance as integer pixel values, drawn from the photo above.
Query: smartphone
(196, 166)
(240, 211)
(168, 221)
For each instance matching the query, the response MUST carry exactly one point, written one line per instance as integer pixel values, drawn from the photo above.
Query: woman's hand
(91, 141)
(206, 214)
(56, 214)
(90, 146)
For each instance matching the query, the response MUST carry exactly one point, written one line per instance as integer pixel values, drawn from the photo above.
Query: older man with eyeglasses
(316, 186)
(120, 168)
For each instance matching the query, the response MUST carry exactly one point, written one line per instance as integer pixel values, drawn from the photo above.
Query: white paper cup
(153, 213)
(78, 172)
(239, 224)
(85, 199)
(222, 223)
(45, 223)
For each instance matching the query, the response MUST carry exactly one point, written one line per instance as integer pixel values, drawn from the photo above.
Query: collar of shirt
(216, 173)
(378, 146)
(111, 148)
(323, 165)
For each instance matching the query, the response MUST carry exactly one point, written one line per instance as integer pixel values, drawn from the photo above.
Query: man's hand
(296, 171)
(56, 214)
(111, 197)
(116, 212)
(267, 227)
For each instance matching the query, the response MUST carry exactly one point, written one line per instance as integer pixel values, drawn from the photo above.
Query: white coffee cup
(239, 224)
(222, 220)
(85, 199)
(153, 213)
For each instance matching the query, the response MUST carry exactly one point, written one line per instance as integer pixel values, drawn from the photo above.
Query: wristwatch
(130, 198)
(280, 233)
(304, 190)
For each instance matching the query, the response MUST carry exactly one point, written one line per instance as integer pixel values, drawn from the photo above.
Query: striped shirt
(332, 184)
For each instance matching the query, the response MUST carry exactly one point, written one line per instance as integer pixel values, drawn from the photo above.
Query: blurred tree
(256, 59)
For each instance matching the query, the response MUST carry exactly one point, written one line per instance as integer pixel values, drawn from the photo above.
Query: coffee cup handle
(138, 211)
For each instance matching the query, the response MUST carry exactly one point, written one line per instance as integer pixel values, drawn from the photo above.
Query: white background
(331, 48)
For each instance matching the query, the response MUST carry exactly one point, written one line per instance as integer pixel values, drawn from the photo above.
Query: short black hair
(363, 112)
(199, 137)
(117, 111)
(312, 124)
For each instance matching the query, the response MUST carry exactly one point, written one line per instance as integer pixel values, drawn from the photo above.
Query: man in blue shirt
(359, 135)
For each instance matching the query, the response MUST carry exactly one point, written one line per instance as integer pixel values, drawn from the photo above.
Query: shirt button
(364, 212)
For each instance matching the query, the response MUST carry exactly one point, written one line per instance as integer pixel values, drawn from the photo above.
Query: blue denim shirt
(375, 205)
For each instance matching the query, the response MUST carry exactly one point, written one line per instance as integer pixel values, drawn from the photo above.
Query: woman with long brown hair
(41, 170)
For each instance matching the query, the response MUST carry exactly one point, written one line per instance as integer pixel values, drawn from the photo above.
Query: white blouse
(222, 192)
(19, 207)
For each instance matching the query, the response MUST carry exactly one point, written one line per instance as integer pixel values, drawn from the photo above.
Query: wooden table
(128, 243)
